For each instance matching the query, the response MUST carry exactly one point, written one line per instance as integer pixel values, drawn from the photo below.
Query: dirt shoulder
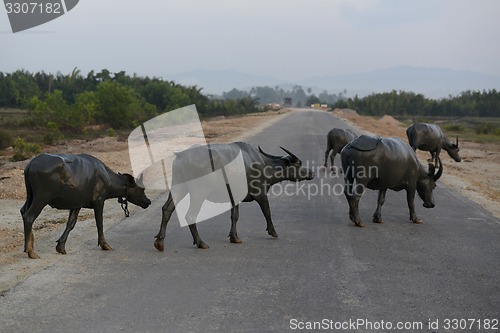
(15, 265)
(477, 177)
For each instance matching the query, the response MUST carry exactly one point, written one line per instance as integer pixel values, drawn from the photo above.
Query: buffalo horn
(440, 171)
(266, 154)
(289, 153)
(457, 141)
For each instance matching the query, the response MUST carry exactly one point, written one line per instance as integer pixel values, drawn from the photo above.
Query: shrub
(486, 128)
(53, 134)
(454, 128)
(110, 132)
(5, 139)
(24, 150)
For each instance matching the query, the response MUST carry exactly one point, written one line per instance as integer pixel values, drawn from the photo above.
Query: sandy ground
(477, 177)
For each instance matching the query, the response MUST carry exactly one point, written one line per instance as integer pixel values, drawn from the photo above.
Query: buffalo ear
(130, 179)
(287, 160)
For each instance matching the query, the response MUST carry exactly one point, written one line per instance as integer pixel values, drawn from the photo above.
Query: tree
(312, 100)
(117, 106)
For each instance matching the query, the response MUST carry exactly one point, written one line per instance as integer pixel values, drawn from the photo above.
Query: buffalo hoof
(33, 255)
(235, 239)
(377, 220)
(273, 233)
(60, 248)
(418, 221)
(105, 247)
(202, 245)
(159, 245)
(359, 224)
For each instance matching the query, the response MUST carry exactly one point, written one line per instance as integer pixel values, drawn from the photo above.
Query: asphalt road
(321, 268)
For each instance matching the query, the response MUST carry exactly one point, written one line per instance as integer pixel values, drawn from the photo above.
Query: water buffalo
(336, 139)
(429, 137)
(73, 182)
(259, 170)
(381, 164)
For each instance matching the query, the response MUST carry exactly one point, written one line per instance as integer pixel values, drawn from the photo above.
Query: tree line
(299, 96)
(71, 102)
(468, 103)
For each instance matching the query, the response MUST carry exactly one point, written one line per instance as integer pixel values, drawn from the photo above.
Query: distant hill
(432, 82)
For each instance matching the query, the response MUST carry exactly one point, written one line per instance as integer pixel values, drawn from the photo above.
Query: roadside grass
(475, 129)
(15, 124)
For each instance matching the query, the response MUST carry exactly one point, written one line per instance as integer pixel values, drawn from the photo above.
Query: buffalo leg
(327, 153)
(266, 210)
(61, 242)
(436, 156)
(233, 234)
(29, 215)
(352, 196)
(196, 237)
(166, 212)
(377, 218)
(191, 215)
(332, 158)
(101, 241)
(410, 198)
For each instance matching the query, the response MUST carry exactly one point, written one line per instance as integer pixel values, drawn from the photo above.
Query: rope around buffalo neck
(124, 203)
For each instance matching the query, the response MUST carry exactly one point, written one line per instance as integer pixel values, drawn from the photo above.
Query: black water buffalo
(259, 171)
(73, 182)
(381, 164)
(336, 139)
(429, 137)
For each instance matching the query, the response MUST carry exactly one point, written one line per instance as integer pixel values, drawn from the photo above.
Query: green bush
(486, 128)
(5, 139)
(454, 128)
(24, 150)
(110, 132)
(53, 134)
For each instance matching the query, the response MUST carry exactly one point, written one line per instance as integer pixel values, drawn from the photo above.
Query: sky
(290, 39)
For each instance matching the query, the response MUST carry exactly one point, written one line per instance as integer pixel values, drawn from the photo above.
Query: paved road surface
(320, 267)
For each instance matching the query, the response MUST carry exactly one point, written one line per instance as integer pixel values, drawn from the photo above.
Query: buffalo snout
(307, 174)
(429, 205)
(146, 203)
(140, 200)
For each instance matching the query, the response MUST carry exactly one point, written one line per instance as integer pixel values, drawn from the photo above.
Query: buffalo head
(135, 192)
(292, 169)
(453, 151)
(426, 184)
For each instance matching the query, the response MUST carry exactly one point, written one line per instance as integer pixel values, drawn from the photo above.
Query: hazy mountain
(432, 82)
